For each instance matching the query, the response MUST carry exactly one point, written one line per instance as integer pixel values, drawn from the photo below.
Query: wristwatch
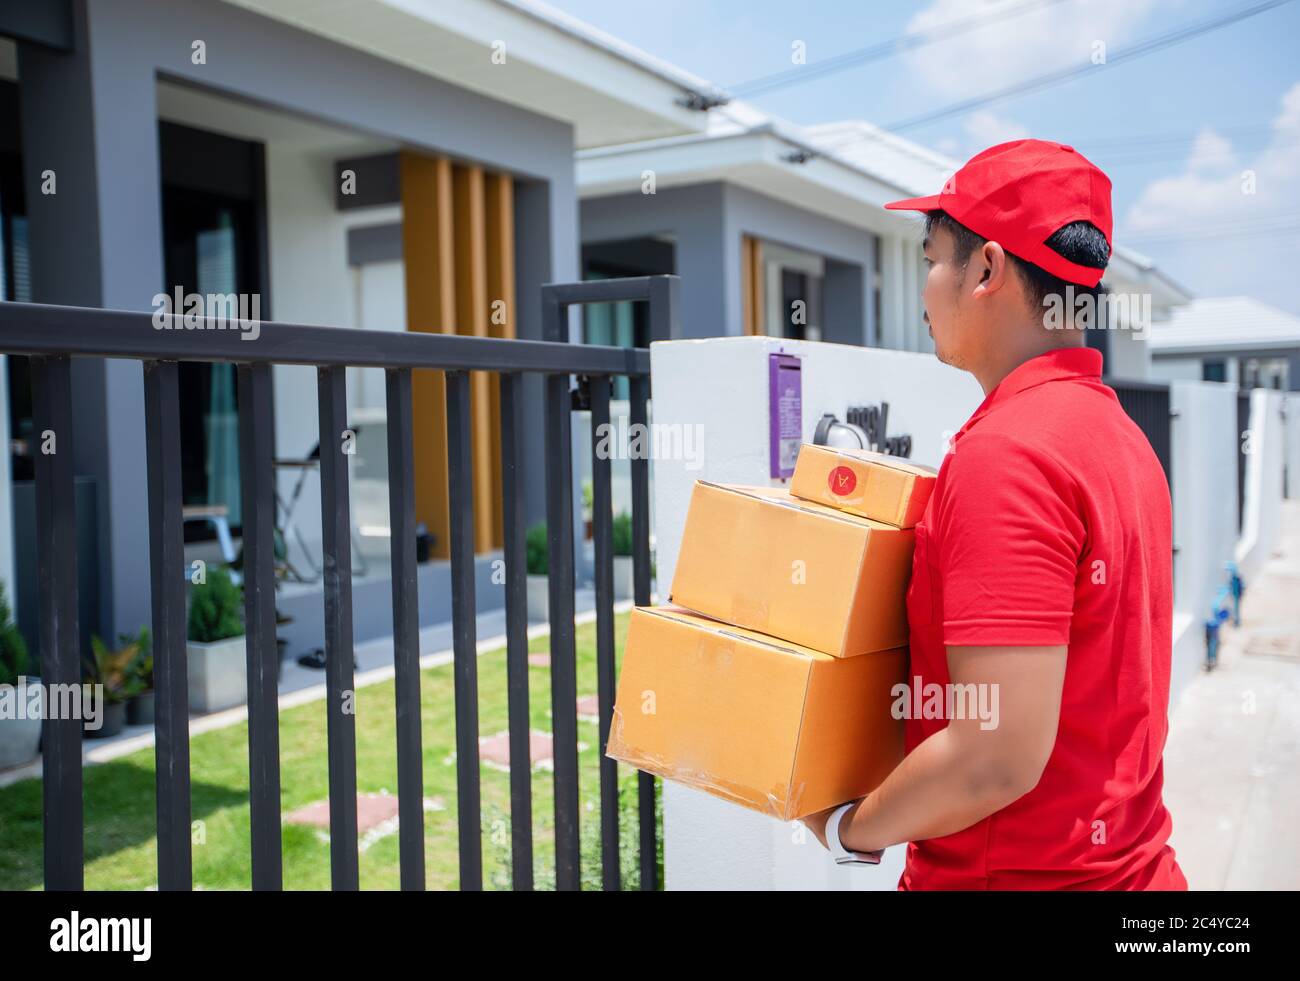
(836, 847)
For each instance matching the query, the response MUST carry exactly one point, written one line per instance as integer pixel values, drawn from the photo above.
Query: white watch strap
(836, 847)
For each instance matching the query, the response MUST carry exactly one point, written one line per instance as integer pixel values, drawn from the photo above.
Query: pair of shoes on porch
(316, 659)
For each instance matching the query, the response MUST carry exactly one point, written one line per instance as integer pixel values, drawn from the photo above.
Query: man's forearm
(941, 787)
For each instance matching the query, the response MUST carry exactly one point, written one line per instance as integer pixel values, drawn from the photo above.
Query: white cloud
(1019, 46)
(985, 129)
(1211, 153)
(1224, 223)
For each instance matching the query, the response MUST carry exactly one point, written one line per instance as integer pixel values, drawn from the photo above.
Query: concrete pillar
(90, 136)
(546, 234)
(845, 289)
(894, 294)
(708, 260)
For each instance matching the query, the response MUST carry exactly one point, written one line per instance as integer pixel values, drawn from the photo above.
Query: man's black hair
(1080, 241)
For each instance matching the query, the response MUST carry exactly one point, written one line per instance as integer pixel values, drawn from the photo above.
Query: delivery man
(1043, 565)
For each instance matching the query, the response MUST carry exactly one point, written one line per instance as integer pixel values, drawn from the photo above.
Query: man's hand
(969, 769)
(816, 823)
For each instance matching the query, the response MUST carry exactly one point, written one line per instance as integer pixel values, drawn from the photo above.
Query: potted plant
(119, 674)
(139, 710)
(624, 587)
(20, 731)
(215, 651)
(537, 551)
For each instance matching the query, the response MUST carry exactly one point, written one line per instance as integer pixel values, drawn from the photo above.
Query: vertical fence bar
(603, 533)
(464, 627)
(564, 684)
(512, 490)
(167, 591)
(406, 628)
(257, 490)
(56, 575)
(638, 393)
(337, 442)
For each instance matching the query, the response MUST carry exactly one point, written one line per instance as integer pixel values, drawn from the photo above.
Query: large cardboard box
(765, 560)
(874, 485)
(774, 726)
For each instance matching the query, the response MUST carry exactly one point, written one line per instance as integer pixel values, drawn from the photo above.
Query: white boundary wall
(1291, 431)
(1204, 465)
(1264, 460)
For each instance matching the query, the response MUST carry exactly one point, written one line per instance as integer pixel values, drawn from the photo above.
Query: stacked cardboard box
(768, 678)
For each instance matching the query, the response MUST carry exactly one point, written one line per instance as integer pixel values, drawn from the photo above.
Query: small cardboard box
(774, 726)
(874, 485)
(765, 560)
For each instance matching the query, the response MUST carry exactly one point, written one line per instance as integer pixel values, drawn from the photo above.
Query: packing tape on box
(779, 805)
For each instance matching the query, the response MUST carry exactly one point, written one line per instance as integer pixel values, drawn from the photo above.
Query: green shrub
(14, 661)
(622, 533)
(496, 821)
(215, 608)
(538, 550)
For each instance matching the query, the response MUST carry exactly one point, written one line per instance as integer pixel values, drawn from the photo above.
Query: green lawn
(119, 795)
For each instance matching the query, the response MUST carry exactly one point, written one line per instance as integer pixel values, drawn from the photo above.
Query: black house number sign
(873, 420)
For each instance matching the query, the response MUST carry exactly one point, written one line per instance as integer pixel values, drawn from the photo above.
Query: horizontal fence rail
(52, 336)
(36, 328)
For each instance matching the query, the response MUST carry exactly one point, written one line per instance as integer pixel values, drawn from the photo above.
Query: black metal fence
(1147, 404)
(52, 336)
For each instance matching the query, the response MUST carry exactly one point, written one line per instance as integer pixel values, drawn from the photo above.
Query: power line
(1280, 231)
(1221, 156)
(1233, 228)
(885, 49)
(1141, 49)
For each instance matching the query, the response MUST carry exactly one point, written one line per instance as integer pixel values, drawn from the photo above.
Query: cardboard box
(874, 485)
(774, 726)
(815, 576)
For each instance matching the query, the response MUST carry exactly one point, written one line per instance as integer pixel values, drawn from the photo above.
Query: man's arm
(972, 768)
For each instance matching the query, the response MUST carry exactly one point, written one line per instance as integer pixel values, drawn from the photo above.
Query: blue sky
(1201, 139)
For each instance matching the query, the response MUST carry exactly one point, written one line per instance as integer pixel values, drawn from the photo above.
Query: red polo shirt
(1051, 524)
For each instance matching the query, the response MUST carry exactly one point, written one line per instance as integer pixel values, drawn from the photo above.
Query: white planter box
(539, 597)
(624, 585)
(218, 674)
(20, 740)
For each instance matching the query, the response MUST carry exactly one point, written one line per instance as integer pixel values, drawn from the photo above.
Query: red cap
(1019, 194)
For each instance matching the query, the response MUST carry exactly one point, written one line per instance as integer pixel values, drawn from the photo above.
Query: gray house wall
(90, 116)
(693, 216)
(707, 222)
(850, 248)
(1291, 354)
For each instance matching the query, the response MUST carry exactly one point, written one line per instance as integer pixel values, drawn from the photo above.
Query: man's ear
(991, 267)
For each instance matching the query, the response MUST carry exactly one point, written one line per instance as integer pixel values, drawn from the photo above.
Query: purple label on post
(785, 412)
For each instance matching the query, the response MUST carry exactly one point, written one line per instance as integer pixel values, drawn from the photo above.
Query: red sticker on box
(842, 480)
